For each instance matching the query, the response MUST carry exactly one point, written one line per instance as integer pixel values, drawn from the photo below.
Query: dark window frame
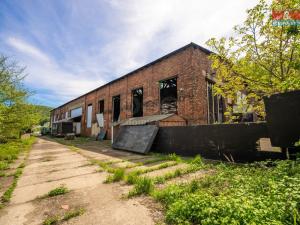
(100, 108)
(160, 92)
(114, 119)
(132, 102)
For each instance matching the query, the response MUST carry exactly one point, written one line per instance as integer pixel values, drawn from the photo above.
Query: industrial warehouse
(174, 90)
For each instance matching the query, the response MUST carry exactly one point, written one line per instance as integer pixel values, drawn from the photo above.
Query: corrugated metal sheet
(143, 120)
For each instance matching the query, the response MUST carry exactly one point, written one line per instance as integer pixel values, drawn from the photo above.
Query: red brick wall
(189, 66)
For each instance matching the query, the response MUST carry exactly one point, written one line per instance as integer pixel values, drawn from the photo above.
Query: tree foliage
(260, 60)
(16, 115)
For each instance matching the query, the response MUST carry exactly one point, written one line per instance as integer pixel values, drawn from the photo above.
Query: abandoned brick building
(179, 83)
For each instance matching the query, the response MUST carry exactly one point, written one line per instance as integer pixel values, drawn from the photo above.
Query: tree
(16, 115)
(260, 60)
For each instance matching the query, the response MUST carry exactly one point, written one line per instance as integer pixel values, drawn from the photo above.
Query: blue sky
(72, 46)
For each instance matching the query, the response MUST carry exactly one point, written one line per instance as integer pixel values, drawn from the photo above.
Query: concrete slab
(16, 214)
(101, 201)
(31, 192)
(56, 162)
(57, 175)
(51, 168)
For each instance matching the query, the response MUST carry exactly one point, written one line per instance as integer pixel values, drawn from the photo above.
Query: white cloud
(28, 50)
(45, 74)
(91, 44)
(161, 26)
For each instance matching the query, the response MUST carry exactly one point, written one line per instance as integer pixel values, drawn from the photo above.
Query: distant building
(178, 83)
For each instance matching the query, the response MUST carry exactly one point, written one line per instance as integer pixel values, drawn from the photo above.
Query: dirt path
(51, 165)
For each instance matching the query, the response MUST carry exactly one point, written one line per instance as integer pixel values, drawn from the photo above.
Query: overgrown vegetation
(260, 193)
(117, 175)
(11, 150)
(51, 220)
(8, 193)
(142, 185)
(57, 219)
(259, 60)
(8, 153)
(57, 191)
(145, 185)
(73, 213)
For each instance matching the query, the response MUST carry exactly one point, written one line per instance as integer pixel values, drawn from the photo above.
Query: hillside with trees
(17, 115)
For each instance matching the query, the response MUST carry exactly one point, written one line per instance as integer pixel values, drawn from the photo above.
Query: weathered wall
(213, 141)
(283, 118)
(189, 66)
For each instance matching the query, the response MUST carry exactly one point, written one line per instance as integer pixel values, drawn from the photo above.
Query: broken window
(116, 108)
(101, 106)
(168, 96)
(215, 105)
(137, 102)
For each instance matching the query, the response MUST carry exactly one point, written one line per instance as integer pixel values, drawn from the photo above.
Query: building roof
(142, 120)
(192, 44)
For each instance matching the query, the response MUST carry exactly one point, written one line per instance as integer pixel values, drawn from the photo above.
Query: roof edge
(192, 44)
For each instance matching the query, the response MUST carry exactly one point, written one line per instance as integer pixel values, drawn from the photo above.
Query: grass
(118, 174)
(260, 193)
(8, 153)
(51, 221)
(104, 165)
(57, 191)
(67, 216)
(143, 185)
(131, 178)
(73, 213)
(8, 193)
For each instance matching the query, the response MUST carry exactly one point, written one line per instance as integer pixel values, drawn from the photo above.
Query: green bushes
(250, 194)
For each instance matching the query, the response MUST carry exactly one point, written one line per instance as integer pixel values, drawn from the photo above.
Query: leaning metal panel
(135, 138)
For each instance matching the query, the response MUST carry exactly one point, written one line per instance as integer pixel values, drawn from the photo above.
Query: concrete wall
(189, 65)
